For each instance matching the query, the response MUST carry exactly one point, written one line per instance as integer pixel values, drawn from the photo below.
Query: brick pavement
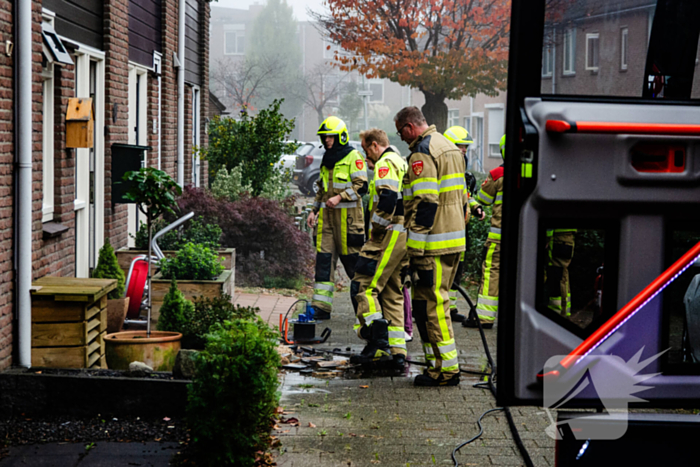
(391, 423)
(271, 305)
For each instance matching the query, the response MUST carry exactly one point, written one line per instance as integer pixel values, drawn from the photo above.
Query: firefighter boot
(471, 323)
(426, 380)
(456, 316)
(399, 361)
(377, 349)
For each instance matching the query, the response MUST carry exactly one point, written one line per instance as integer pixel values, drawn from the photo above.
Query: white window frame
(196, 121)
(138, 73)
(494, 149)
(547, 60)
(452, 117)
(238, 30)
(624, 47)
(468, 124)
(569, 52)
(477, 149)
(141, 137)
(47, 142)
(373, 98)
(593, 55)
(85, 253)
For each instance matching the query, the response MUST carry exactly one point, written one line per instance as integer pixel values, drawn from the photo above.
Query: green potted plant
(195, 231)
(199, 272)
(117, 304)
(153, 191)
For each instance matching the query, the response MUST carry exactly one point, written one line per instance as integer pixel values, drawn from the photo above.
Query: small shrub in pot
(234, 393)
(108, 268)
(192, 262)
(176, 311)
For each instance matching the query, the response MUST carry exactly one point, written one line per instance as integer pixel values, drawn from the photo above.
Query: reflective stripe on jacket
(435, 196)
(385, 195)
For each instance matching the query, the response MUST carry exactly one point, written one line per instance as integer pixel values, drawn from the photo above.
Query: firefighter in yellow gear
(435, 205)
(378, 280)
(337, 212)
(490, 194)
(460, 137)
(557, 286)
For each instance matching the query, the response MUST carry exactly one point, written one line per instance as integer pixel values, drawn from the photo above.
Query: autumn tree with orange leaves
(447, 49)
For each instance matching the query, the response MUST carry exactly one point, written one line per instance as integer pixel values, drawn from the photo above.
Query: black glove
(479, 211)
(470, 179)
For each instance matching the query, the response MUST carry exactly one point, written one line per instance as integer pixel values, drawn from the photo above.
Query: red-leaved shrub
(251, 226)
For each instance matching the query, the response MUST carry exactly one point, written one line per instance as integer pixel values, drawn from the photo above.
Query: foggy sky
(299, 6)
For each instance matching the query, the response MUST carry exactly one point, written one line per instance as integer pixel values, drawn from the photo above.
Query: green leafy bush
(477, 232)
(176, 312)
(108, 268)
(253, 143)
(192, 262)
(234, 393)
(252, 225)
(295, 283)
(277, 187)
(230, 185)
(194, 231)
(210, 311)
(169, 241)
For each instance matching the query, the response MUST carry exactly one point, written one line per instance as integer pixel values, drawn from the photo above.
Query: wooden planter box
(223, 284)
(69, 321)
(126, 255)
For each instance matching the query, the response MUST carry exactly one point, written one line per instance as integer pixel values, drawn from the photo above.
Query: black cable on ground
(492, 387)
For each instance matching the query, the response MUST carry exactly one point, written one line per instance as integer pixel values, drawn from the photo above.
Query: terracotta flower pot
(157, 350)
(116, 313)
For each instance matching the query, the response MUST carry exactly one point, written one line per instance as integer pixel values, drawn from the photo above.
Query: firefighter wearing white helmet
(491, 194)
(337, 212)
(460, 137)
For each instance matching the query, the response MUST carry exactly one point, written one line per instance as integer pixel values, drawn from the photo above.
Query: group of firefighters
(416, 235)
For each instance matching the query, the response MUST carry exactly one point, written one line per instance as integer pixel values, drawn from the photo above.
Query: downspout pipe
(181, 94)
(23, 190)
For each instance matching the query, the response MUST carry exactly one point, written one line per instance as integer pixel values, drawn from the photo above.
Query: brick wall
(116, 44)
(169, 89)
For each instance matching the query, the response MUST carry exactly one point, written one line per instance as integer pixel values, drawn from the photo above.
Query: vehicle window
(625, 48)
(305, 149)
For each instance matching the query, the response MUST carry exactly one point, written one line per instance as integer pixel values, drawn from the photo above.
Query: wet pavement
(364, 419)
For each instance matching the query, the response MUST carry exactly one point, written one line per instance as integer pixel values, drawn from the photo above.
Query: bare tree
(322, 85)
(242, 80)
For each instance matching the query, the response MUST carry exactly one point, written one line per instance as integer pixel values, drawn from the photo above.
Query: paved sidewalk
(271, 305)
(391, 423)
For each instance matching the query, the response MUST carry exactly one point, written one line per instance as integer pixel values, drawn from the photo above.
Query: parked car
(308, 168)
(288, 161)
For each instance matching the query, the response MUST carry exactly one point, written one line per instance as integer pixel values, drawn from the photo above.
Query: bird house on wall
(80, 122)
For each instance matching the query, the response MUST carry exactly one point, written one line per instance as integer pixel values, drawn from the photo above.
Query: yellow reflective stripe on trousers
(344, 231)
(448, 355)
(319, 230)
(397, 337)
(378, 272)
(429, 355)
(489, 263)
(440, 300)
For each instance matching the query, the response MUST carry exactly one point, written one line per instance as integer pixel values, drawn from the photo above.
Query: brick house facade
(72, 211)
